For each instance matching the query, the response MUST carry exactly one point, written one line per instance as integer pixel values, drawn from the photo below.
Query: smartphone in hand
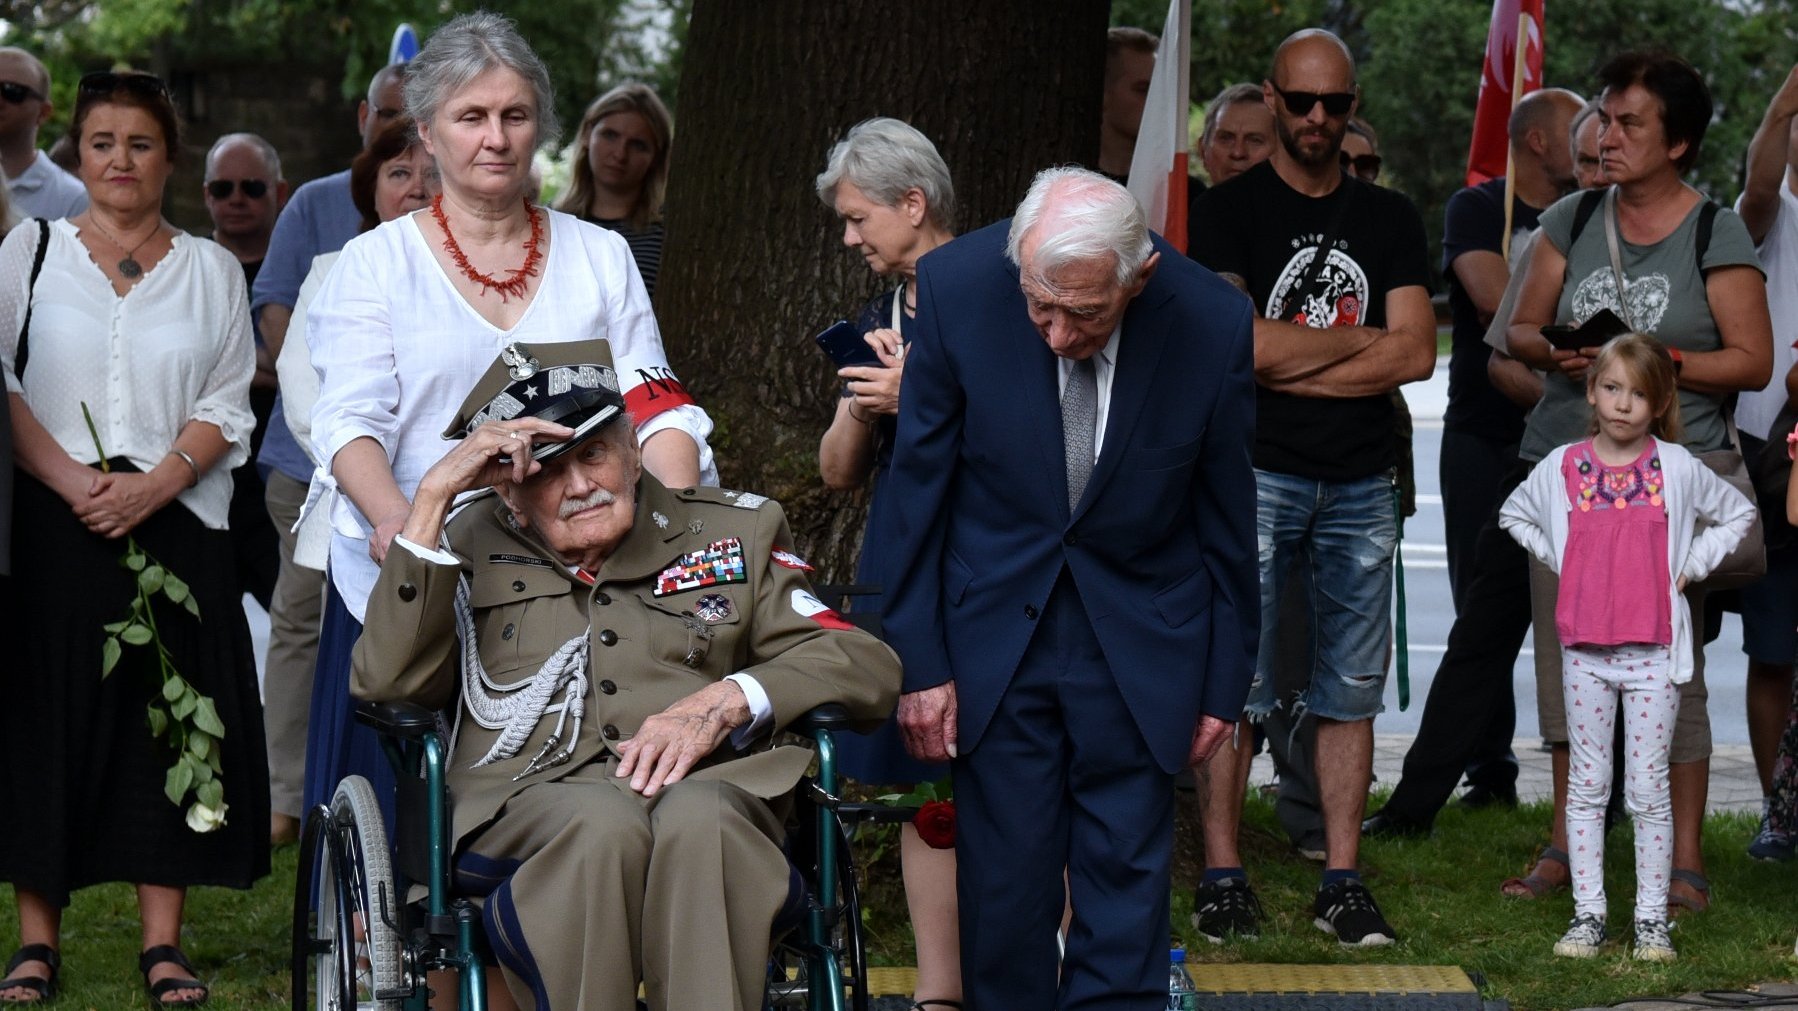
(845, 346)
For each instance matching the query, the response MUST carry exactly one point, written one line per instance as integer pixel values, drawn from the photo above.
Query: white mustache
(599, 497)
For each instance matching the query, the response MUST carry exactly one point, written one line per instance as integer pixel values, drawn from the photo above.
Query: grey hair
(1234, 94)
(1586, 112)
(1084, 216)
(467, 47)
(885, 157)
(271, 160)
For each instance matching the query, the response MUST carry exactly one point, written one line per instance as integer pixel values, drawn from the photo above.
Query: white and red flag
(1158, 168)
(1512, 69)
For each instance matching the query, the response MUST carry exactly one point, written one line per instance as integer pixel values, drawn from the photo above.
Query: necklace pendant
(130, 268)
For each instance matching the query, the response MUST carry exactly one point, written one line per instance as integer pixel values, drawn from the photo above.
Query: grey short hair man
(1238, 134)
(38, 188)
(1092, 225)
(469, 46)
(885, 157)
(244, 191)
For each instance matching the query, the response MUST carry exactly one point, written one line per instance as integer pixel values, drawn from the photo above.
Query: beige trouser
(603, 887)
(293, 618)
(1691, 728)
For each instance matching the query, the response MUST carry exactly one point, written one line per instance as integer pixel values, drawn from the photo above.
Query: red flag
(1491, 120)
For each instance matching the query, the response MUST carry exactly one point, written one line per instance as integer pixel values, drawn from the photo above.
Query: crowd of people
(295, 406)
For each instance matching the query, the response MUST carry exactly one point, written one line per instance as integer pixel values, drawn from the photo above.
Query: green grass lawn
(1441, 895)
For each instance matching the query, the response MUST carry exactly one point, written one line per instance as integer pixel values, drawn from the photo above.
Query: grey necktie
(1079, 418)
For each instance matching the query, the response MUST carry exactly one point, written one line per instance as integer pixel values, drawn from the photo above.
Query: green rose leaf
(174, 688)
(150, 579)
(136, 634)
(192, 605)
(175, 784)
(211, 794)
(199, 744)
(110, 651)
(173, 588)
(206, 717)
(159, 721)
(135, 560)
(184, 706)
(116, 627)
(202, 770)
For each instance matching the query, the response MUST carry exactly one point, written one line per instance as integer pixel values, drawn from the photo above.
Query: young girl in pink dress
(1617, 516)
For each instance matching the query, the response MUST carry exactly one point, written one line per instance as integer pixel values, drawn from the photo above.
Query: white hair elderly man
(1078, 614)
(604, 637)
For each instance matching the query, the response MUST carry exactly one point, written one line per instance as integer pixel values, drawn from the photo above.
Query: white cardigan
(1536, 515)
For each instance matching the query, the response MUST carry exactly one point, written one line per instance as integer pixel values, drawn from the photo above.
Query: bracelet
(857, 417)
(191, 465)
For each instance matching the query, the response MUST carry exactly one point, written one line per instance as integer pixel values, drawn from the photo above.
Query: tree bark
(755, 264)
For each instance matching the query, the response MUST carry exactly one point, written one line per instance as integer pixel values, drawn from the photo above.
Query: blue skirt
(336, 745)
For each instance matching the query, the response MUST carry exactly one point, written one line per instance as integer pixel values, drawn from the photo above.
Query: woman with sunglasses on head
(147, 329)
(620, 171)
(415, 311)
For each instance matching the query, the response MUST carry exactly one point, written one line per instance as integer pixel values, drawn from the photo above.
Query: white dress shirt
(1104, 367)
(174, 348)
(46, 191)
(397, 349)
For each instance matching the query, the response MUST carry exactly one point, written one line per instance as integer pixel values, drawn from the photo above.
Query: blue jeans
(1345, 531)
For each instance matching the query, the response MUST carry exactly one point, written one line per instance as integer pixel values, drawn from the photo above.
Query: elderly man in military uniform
(620, 655)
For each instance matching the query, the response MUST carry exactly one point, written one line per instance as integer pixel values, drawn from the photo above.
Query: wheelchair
(359, 943)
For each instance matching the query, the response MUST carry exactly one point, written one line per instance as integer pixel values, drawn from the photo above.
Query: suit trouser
(1472, 689)
(591, 887)
(1062, 777)
(293, 620)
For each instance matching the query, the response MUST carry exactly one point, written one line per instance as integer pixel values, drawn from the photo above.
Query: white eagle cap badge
(519, 363)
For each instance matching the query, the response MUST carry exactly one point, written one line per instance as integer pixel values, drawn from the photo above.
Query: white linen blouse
(175, 348)
(397, 349)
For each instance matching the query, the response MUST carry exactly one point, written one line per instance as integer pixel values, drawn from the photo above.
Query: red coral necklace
(513, 284)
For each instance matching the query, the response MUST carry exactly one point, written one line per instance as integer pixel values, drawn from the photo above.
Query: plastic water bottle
(1182, 995)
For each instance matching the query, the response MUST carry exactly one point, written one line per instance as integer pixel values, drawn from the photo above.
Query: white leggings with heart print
(1593, 681)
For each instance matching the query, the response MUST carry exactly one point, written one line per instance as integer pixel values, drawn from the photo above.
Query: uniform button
(408, 592)
(607, 637)
(1030, 611)
(686, 491)
(608, 688)
(517, 586)
(609, 732)
(602, 598)
(506, 633)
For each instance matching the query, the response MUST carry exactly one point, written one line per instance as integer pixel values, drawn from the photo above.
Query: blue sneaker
(1771, 844)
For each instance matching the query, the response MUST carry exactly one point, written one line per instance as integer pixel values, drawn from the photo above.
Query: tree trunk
(755, 265)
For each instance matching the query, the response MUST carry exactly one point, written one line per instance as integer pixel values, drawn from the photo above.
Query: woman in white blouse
(415, 310)
(148, 329)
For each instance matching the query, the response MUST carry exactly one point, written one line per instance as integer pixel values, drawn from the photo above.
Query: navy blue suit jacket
(1162, 545)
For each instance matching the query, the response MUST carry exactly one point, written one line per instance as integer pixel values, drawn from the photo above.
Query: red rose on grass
(935, 822)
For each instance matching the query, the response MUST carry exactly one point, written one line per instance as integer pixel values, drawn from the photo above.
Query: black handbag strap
(37, 267)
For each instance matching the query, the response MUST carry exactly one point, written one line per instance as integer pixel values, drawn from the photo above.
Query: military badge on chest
(718, 562)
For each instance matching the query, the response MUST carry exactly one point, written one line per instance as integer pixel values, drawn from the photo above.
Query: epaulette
(721, 496)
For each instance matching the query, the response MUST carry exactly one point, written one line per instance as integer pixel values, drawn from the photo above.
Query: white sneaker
(1653, 943)
(1584, 937)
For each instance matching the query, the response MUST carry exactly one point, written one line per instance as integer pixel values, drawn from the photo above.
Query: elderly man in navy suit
(1078, 610)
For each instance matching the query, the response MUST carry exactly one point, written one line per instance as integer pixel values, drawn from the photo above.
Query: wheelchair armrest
(829, 716)
(404, 720)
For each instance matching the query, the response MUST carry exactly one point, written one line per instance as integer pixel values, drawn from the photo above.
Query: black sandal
(169, 953)
(45, 989)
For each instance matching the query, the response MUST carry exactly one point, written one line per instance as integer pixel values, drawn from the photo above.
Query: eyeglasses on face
(1299, 103)
(18, 94)
(1367, 166)
(105, 82)
(221, 189)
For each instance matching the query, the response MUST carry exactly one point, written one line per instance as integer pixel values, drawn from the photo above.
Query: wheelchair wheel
(346, 951)
(795, 963)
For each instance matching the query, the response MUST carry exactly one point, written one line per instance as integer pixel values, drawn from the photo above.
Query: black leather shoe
(1389, 825)
(1479, 795)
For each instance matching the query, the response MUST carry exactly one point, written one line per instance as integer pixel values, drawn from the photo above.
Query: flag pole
(1517, 69)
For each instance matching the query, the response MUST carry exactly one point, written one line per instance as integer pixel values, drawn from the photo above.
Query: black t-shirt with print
(1263, 230)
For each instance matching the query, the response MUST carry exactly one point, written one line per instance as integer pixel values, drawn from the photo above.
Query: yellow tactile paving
(1249, 977)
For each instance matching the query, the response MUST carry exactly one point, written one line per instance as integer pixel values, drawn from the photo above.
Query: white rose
(201, 818)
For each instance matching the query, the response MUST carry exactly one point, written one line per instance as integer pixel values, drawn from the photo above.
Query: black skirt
(82, 782)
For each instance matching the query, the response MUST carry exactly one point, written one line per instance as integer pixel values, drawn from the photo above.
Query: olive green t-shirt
(1665, 294)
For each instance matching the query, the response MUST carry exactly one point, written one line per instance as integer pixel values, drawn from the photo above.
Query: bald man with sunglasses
(37, 187)
(1338, 272)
